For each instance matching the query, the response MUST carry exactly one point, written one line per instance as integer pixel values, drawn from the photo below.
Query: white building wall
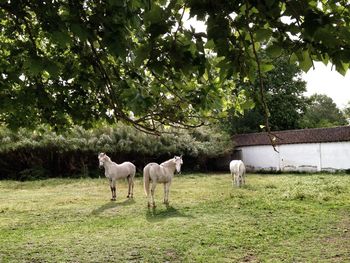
(261, 157)
(300, 157)
(335, 155)
(308, 157)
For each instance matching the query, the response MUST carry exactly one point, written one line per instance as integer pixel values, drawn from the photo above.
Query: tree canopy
(69, 62)
(346, 111)
(283, 91)
(322, 112)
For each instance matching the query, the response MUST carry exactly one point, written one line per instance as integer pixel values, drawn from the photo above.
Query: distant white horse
(237, 169)
(162, 173)
(115, 171)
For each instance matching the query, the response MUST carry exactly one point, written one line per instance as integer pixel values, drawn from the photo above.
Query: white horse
(115, 171)
(237, 169)
(162, 173)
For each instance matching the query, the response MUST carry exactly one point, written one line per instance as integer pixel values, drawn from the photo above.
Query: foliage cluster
(70, 62)
(288, 107)
(322, 112)
(42, 152)
(283, 92)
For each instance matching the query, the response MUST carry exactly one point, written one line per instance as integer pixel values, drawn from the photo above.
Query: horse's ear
(181, 156)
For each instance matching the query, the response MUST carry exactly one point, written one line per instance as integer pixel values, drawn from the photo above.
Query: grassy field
(274, 218)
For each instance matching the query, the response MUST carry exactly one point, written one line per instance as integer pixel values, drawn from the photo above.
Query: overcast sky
(324, 80)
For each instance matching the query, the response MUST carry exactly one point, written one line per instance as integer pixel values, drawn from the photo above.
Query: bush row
(42, 153)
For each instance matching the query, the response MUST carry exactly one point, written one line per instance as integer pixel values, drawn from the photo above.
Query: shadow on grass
(111, 205)
(155, 215)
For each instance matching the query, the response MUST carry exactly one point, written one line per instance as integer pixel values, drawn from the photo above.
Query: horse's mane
(106, 157)
(166, 163)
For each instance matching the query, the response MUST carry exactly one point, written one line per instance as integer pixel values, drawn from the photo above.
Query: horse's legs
(114, 190)
(153, 188)
(164, 199)
(129, 185)
(237, 178)
(132, 186)
(166, 193)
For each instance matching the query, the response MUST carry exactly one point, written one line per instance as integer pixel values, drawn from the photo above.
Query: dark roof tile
(336, 134)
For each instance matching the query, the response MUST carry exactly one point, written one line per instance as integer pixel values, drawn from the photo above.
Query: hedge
(43, 153)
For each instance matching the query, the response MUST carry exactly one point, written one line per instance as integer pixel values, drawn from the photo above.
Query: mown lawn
(274, 218)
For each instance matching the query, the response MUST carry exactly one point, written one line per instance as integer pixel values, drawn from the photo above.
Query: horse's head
(101, 159)
(178, 162)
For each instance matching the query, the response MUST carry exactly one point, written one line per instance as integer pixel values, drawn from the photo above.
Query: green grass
(274, 218)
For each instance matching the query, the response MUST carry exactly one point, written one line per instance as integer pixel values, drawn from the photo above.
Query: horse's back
(242, 168)
(149, 165)
(153, 168)
(237, 166)
(127, 168)
(156, 173)
(146, 169)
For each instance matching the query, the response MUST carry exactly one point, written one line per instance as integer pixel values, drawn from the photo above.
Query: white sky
(324, 80)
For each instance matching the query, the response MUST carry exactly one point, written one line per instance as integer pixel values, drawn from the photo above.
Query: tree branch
(261, 86)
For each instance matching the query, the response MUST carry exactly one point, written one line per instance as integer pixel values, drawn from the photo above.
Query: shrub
(29, 154)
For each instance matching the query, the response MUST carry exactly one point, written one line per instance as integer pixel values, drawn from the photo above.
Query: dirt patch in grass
(250, 258)
(334, 243)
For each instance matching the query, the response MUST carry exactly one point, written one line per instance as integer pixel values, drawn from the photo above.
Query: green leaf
(274, 50)
(210, 44)
(305, 63)
(342, 68)
(52, 69)
(248, 104)
(193, 48)
(141, 54)
(262, 34)
(34, 66)
(294, 58)
(61, 38)
(266, 67)
(154, 15)
(79, 31)
(118, 3)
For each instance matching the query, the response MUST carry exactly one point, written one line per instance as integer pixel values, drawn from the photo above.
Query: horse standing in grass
(114, 171)
(237, 169)
(163, 173)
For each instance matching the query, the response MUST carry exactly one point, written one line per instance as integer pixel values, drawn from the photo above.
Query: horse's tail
(133, 171)
(146, 179)
(242, 169)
